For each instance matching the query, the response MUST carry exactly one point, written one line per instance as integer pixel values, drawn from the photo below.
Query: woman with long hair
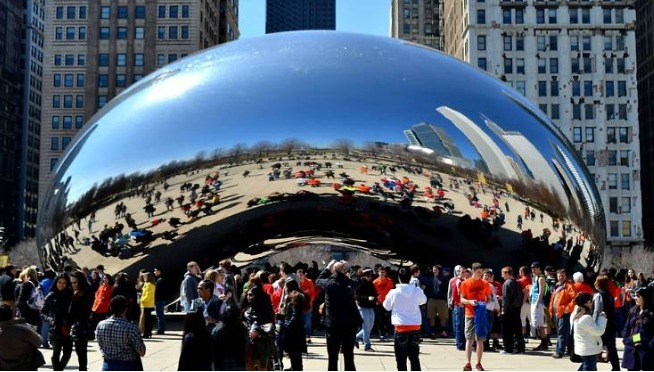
(56, 313)
(29, 282)
(102, 299)
(638, 335)
(294, 339)
(258, 317)
(196, 354)
(124, 288)
(587, 332)
(603, 303)
(147, 304)
(80, 317)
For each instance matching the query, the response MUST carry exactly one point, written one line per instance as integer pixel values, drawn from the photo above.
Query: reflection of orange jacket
(309, 290)
(563, 300)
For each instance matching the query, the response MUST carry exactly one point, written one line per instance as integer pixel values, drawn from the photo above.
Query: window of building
(519, 43)
(82, 12)
(161, 59)
(121, 59)
(519, 16)
(481, 63)
(103, 59)
(105, 12)
(59, 12)
(551, 16)
(609, 88)
(622, 88)
(542, 66)
(590, 158)
(543, 107)
(121, 81)
(79, 121)
(610, 135)
(506, 16)
(102, 100)
(624, 158)
(588, 88)
(540, 16)
(54, 143)
(508, 66)
(589, 111)
(540, 43)
(186, 11)
(609, 108)
(574, 42)
(554, 88)
(105, 33)
(70, 33)
(138, 77)
(172, 58)
(56, 80)
(555, 111)
(68, 122)
(138, 59)
(53, 163)
(576, 88)
(173, 11)
(139, 12)
(508, 43)
(80, 80)
(65, 141)
(139, 32)
(554, 65)
(585, 16)
(161, 32)
(81, 33)
(122, 12)
(621, 65)
(59, 33)
(520, 86)
(576, 134)
(68, 101)
(626, 228)
(55, 122)
(625, 204)
(554, 44)
(607, 15)
(69, 59)
(590, 134)
(481, 42)
(613, 205)
(81, 59)
(172, 32)
(613, 181)
(625, 184)
(542, 88)
(481, 16)
(608, 65)
(586, 42)
(619, 15)
(574, 15)
(520, 66)
(185, 32)
(103, 80)
(121, 34)
(71, 12)
(57, 60)
(623, 134)
(56, 101)
(608, 42)
(612, 157)
(68, 80)
(576, 112)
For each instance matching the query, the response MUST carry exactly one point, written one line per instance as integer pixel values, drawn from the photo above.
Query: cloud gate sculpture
(319, 139)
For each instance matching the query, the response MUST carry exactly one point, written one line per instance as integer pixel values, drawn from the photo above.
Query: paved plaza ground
(163, 353)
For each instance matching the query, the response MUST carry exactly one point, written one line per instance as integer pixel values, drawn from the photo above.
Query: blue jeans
(161, 319)
(588, 363)
(118, 365)
(368, 316)
(407, 345)
(45, 329)
(563, 333)
(308, 325)
(459, 324)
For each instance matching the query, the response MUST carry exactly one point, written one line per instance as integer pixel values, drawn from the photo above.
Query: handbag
(574, 358)
(79, 332)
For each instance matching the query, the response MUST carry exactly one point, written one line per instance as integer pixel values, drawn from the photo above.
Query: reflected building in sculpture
(584, 81)
(435, 138)
(296, 15)
(418, 21)
(96, 50)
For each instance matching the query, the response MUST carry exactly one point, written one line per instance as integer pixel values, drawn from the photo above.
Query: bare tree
(343, 145)
(262, 147)
(640, 259)
(371, 148)
(23, 254)
(238, 150)
(290, 144)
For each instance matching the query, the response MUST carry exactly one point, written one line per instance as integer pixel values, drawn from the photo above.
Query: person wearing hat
(638, 336)
(366, 297)
(537, 295)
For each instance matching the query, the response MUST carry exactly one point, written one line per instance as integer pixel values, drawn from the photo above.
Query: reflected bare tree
(345, 146)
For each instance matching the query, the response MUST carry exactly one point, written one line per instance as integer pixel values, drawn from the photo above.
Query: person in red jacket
(561, 305)
(102, 300)
(580, 285)
(383, 284)
(309, 289)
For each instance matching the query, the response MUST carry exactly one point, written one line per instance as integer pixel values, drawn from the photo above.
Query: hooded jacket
(404, 304)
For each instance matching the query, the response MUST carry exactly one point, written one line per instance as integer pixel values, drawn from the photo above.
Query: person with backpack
(537, 294)
(30, 298)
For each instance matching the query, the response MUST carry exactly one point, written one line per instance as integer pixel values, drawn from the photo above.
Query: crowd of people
(249, 319)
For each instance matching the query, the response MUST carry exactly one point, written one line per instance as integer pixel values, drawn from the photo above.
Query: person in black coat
(56, 312)
(295, 343)
(341, 316)
(125, 288)
(196, 344)
(639, 350)
(29, 283)
(80, 317)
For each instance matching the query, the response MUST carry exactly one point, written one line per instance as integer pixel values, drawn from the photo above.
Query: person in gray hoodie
(404, 304)
(188, 289)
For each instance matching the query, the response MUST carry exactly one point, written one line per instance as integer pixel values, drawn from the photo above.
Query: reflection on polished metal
(318, 138)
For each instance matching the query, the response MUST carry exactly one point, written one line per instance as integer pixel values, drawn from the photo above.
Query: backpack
(37, 299)
(547, 292)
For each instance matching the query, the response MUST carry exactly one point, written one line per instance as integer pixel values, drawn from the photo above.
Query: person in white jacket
(404, 304)
(587, 332)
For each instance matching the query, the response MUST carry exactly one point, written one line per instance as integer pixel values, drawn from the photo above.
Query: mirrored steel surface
(228, 138)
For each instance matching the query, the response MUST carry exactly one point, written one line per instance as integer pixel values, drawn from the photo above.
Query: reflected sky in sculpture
(318, 88)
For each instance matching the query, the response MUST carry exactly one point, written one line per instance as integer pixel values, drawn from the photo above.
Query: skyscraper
(96, 49)
(418, 21)
(293, 15)
(576, 60)
(645, 59)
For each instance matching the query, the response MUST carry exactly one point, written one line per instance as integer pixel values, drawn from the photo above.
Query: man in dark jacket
(366, 296)
(8, 287)
(341, 316)
(18, 343)
(512, 299)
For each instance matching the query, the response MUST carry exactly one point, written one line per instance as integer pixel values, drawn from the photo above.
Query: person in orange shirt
(474, 290)
(309, 290)
(383, 284)
(561, 305)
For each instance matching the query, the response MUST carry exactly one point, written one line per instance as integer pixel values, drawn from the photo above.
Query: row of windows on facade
(122, 12)
(551, 16)
(37, 39)
(620, 205)
(610, 160)
(54, 143)
(66, 122)
(614, 228)
(622, 134)
(79, 99)
(36, 68)
(80, 33)
(588, 109)
(36, 53)
(577, 65)
(550, 42)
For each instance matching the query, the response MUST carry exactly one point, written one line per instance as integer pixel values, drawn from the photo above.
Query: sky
(361, 16)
